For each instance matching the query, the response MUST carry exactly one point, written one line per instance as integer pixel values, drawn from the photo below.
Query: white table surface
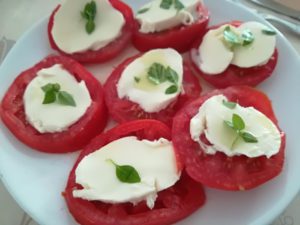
(16, 16)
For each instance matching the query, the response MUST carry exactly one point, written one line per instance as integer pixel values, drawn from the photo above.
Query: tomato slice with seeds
(171, 205)
(123, 110)
(180, 38)
(78, 134)
(218, 170)
(234, 75)
(108, 52)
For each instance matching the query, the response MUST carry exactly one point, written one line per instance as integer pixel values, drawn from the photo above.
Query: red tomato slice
(108, 52)
(235, 75)
(180, 38)
(123, 110)
(78, 135)
(172, 204)
(220, 171)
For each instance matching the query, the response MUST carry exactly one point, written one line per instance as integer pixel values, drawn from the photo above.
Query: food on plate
(91, 31)
(153, 85)
(55, 106)
(235, 53)
(229, 139)
(131, 175)
(169, 24)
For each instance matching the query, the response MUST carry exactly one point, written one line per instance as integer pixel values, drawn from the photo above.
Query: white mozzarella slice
(259, 51)
(154, 161)
(69, 31)
(150, 97)
(157, 19)
(54, 117)
(214, 55)
(209, 121)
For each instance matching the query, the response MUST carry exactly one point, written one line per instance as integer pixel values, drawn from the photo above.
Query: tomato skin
(123, 110)
(107, 52)
(172, 204)
(234, 75)
(78, 134)
(220, 171)
(180, 38)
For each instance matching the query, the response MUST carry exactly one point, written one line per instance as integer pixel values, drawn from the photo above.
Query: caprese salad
(83, 30)
(235, 53)
(152, 85)
(169, 24)
(230, 139)
(56, 106)
(131, 175)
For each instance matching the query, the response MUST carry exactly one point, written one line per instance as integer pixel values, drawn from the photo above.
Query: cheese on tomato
(215, 57)
(54, 117)
(259, 51)
(216, 54)
(209, 121)
(151, 98)
(154, 18)
(154, 161)
(69, 31)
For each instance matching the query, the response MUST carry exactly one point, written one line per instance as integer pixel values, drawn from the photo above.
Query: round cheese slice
(211, 122)
(134, 84)
(154, 161)
(69, 31)
(55, 117)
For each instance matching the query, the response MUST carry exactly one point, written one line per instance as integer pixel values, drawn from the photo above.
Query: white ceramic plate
(36, 180)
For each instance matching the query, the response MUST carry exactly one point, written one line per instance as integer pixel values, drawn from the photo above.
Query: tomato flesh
(123, 110)
(180, 38)
(234, 75)
(108, 52)
(220, 171)
(172, 204)
(78, 134)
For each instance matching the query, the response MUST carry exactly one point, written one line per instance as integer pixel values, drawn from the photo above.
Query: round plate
(37, 180)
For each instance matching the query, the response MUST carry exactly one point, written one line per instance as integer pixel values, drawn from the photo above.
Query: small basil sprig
(158, 74)
(268, 31)
(126, 173)
(235, 39)
(53, 93)
(141, 11)
(228, 104)
(238, 125)
(166, 4)
(89, 13)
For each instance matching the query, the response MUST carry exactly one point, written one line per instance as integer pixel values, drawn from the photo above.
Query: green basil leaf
(247, 137)
(50, 97)
(228, 104)
(178, 5)
(231, 37)
(238, 122)
(137, 79)
(171, 75)
(141, 11)
(51, 87)
(156, 74)
(126, 173)
(171, 90)
(269, 31)
(229, 124)
(89, 13)
(166, 4)
(90, 26)
(247, 37)
(65, 98)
